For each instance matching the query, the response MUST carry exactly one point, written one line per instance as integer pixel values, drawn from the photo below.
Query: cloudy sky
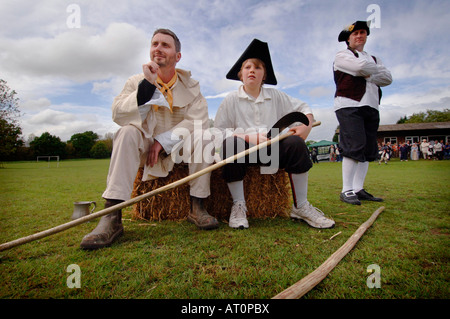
(68, 59)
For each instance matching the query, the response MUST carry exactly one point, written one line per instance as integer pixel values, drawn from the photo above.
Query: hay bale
(173, 204)
(267, 196)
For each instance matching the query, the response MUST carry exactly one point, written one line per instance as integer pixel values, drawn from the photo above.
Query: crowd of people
(334, 151)
(432, 150)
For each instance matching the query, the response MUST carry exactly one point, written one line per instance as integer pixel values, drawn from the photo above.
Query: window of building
(412, 139)
(393, 140)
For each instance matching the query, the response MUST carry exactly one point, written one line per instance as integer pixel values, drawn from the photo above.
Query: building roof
(414, 126)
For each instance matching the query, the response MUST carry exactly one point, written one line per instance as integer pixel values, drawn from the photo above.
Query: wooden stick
(335, 235)
(136, 199)
(310, 281)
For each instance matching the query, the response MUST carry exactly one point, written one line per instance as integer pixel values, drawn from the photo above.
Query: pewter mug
(82, 209)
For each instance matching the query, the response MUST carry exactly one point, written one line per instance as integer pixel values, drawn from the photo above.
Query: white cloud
(319, 91)
(110, 87)
(398, 105)
(64, 124)
(51, 117)
(327, 128)
(35, 105)
(45, 61)
(434, 68)
(218, 96)
(436, 97)
(77, 55)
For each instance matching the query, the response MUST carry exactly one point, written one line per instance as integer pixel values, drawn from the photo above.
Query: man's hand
(303, 130)
(254, 139)
(153, 153)
(150, 71)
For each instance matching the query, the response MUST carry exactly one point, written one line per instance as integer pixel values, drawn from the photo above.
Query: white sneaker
(311, 215)
(238, 216)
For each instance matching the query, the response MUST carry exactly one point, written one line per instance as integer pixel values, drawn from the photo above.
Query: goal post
(48, 159)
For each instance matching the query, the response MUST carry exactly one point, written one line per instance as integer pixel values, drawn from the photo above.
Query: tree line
(426, 117)
(80, 145)
(88, 144)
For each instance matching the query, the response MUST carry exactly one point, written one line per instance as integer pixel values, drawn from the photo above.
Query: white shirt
(365, 66)
(240, 112)
(166, 139)
(437, 147)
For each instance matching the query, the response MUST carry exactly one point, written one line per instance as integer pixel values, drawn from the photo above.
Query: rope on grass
(303, 286)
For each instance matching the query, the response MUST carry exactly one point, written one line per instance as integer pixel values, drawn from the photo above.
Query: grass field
(169, 260)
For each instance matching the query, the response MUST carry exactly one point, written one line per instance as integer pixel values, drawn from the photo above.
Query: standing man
(152, 109)
(438, 149)
(314, 155)
(424, 148)
(358, 77)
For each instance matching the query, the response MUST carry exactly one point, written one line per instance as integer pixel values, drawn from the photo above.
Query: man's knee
(127, 131)
(294, 143)
(231, 146)
(128, 134)
(294, 155)
(129, 140)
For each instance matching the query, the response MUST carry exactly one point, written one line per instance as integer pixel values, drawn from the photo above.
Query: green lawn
(169, 260)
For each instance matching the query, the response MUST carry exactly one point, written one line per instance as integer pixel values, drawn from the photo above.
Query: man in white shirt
(358, 77)
(150, 109)
(437, 148)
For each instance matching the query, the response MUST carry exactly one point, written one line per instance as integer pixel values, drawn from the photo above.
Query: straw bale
(267, 196)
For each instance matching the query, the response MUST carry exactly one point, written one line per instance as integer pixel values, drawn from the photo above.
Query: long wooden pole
(303, 286)
(136, 199)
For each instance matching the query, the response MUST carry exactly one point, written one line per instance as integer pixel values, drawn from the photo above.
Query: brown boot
(200, 217)
(108, 229)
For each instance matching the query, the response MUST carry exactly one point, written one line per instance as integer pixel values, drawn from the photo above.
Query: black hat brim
(256, 50)
(358, 25)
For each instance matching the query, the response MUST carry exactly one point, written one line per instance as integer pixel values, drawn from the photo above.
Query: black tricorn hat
(259, 50)
(358, 25)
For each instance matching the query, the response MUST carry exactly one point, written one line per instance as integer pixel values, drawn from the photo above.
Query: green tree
(427, 117)
(9, 104)
(336, 135)
(48, 145)
(402, 120)
(100, 150)
(70, 150)
(10, 140)
(83, 142)
(108, 139)
(10, 131)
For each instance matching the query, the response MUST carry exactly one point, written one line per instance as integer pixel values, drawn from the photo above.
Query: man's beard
(164, 61)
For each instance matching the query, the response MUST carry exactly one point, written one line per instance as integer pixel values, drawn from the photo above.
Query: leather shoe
(350, 197)
(200, 217)
(363, 195)
(107, 231)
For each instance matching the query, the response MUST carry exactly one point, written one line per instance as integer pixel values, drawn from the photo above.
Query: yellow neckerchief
(166, 90)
